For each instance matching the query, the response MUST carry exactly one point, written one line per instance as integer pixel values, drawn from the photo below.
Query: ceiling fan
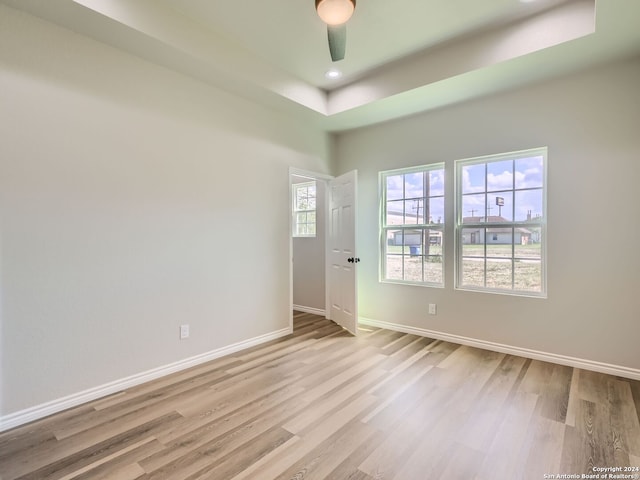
(335, 14)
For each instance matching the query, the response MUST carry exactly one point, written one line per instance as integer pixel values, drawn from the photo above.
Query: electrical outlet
(184, 331)
(432, 309)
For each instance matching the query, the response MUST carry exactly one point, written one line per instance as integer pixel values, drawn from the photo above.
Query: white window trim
(458, 213)
(382, 227)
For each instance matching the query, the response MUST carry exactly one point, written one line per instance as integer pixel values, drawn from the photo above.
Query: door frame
(318, 177)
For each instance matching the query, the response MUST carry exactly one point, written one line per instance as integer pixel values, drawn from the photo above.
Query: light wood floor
(320, 404)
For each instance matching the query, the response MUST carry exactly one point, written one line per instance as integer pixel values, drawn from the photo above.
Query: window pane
(505, 249)
(529, 172)
(500, 175)
(528, 275)
(394, 267)
(304, 205)
(413, 268)
(394, 241)
(473, 208)
(395, 187)
(528, 243)
(414, 211)
(413, 242)
(433, 242)
(473, 242)
(499, 273)
(414, 185)
(500, 206)
(473, 178)
(436, 210)
(528, 205)
(433, 269)
(473, 272)
(395, 212)
(436, 182)
(301, 218)
(414, 200)
(500, 242)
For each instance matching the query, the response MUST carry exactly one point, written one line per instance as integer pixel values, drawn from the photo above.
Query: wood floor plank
(462, 463)
(208, 463)
(624, 427)
(635, 392)
(312, 437)
(38, 433)
(69, 458)
(554, 398)
(228, 431)
(572, 403)
(319, 462)
(168, 381)
(319, 403)
(166, 398)
(331, 401)
(348, 468)
(544, 447)
(590, 443)
(507, 450)
(122, 458)
(485, 415)
(402, 438)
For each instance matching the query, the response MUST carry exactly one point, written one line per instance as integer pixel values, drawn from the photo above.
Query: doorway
(312, 275)
(307, 235)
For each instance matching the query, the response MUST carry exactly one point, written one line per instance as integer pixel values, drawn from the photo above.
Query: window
(304, 209)
(501, 223)
(412, 225)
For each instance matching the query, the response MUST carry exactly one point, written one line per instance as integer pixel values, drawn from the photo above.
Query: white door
(341, 255)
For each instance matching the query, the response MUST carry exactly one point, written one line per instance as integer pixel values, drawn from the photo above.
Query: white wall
(590, 122)
(309, 258)
(122, 215)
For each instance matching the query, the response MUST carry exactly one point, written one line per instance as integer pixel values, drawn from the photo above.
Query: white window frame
(537, 222)
(295, 225)
(384, 227)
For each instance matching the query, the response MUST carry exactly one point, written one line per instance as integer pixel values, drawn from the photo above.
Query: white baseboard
(617, 370)
(39, 411)
(315, 311)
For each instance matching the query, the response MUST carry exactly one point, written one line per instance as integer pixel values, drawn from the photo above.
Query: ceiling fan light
(335, 12)
(333, 74)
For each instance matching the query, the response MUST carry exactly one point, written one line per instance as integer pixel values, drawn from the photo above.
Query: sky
(518, 183)
(414, 185)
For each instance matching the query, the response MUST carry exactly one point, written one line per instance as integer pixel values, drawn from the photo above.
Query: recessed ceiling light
(333, 74)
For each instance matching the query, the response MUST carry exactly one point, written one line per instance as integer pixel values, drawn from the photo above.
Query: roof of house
(495, 219)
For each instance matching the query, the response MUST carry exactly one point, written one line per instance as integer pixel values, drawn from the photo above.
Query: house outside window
(412, 225)
(304, 209)
(501, 223)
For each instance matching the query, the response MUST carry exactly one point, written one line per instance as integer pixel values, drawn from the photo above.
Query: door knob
(353, 260)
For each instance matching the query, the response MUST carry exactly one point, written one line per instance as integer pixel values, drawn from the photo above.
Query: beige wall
(122, 216)
(590, 122)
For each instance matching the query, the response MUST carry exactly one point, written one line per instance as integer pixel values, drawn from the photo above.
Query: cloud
(436, 182)
(395, 186)
(502, 181)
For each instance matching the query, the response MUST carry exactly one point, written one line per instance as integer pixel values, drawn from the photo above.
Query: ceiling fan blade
(337, 41)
